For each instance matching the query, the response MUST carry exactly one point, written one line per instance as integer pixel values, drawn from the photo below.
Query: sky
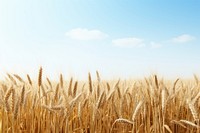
(119, 38)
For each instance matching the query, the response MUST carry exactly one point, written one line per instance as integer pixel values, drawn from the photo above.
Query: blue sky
(120, 38)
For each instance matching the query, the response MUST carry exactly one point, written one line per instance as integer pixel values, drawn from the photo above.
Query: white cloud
(155, 45)
(85, 34)
(183, 38)
(129, 42)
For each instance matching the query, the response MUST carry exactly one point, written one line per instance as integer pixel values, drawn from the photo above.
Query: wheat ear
(29, 79)
(98, 76)
(6, 100)
(61, 80)
(22, 96)
(75, 88)
(136, 110)
(19, 78)
(70, 87)
(90, 82)
(40, 77)
(12, 79)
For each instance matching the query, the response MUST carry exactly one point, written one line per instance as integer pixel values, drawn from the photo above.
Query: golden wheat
(137, 106)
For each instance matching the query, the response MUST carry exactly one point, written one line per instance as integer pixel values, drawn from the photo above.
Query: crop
(110, 106)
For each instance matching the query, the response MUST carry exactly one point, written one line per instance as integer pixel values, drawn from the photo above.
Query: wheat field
(151, 105)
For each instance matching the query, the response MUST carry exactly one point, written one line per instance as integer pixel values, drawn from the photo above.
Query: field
(151, 105)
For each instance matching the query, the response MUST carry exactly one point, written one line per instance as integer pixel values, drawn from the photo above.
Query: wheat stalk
(73, 101)
(22, 96)
(163, 100)
(40, 77)
(6, 99)
(100, 100)
(19, 78)
(98, 76)
(49, 82)
(121, 120)
(75, 88)
(108, 86)
(189, 123)
(56, 93)
(90, 82)
(12, 79)
(136, 110)
(193, 111)
(70, 87)
(156, 81)
(196, 79)
(29, 79)
(61, 81)
(13, 99)
(16, 109)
